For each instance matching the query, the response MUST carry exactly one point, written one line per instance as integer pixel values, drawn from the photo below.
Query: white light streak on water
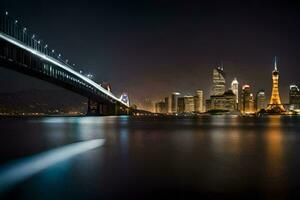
(22, 169)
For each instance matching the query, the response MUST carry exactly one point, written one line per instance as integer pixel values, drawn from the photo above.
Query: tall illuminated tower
(235, 89)
(219, 84)
(275, 102)
(199, 101)
(246, 99)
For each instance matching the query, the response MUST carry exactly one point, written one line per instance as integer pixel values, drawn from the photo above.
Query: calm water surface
(217, 157)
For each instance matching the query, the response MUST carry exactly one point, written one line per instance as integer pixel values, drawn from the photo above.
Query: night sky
(152, 48)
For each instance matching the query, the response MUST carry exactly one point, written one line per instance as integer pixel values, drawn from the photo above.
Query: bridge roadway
(25, 54)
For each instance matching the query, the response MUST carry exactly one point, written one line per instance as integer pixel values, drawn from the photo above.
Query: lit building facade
(189, 105)
(180, 103)
(168, 104)
(207, 105)
(219, 83)
(247, 100)
(160, 107)
(251, 104)
(260, 100)
(226, 102)
(199, 101)
(235, 89)
(275, 104)
(294, 97)
(174, 102)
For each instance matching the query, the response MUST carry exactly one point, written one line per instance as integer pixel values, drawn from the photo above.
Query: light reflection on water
(22, 169)
(217, 154)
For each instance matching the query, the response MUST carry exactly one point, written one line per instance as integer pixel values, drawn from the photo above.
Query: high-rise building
(189, 105)
(247, 100)
(180, 103)
(275, 102)
(294, 97)
(219, 84)
(174, 102)
(207, 105)
(260, 100)
(235, 89)
(226, 102)
(160, 107)
(199, 101)
(168, 105)
(251, 104)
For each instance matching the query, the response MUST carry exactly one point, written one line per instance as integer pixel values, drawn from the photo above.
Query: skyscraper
(246, 99)
(219, 84)
(235, 89)
(260, 100)
(160, 107)
(180, 105)
(275, 102)
(225, 102)
(294, 97)
(168, 105)
(189, 105)
(174, 103)
(251, 104)
(199, 101)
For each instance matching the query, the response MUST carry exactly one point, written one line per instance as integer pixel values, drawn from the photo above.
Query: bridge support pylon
(106, 108)
(93, 108)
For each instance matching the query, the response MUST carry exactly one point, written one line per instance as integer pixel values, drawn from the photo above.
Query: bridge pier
(106, 109)
(93, 108)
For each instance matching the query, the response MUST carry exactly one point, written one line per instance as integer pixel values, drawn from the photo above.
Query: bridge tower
(124, 98)
(275, 104)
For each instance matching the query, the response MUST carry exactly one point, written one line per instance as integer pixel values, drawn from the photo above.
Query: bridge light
(52, 50)
(6, 13)
(39, 42)
(80, 71)
(33, 36)
(59, 55)
(90, 76)
(24, 29)
(16, 21)
(67, 61)
(46, 46)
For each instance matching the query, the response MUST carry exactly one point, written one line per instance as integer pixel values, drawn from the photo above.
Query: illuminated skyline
(165, 46)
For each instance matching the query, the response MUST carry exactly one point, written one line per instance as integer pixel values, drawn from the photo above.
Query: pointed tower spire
(275, 63)
(275, 102)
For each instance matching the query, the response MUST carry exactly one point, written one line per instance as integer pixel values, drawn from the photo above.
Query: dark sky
(151, 48)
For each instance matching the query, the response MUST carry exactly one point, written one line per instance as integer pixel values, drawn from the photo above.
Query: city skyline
(150, 65)
(149, 99)
(230, 100)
